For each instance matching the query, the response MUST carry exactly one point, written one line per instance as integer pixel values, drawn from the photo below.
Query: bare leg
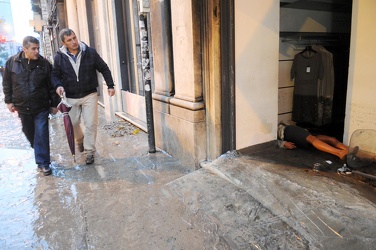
(325, 147)
(332, 141)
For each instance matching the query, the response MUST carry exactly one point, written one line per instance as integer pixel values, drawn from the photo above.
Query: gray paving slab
(326, 212)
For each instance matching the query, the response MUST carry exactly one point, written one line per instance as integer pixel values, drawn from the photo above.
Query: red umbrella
(64, 108)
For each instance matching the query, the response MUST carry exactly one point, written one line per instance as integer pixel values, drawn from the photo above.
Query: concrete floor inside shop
(307, 158)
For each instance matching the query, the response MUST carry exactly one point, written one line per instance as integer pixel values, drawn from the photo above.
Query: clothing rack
(318, 38)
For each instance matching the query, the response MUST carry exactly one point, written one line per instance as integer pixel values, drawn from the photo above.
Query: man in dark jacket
(75, 74)
(28, 90)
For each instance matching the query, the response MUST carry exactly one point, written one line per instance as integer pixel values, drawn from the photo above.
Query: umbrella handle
(62, 96)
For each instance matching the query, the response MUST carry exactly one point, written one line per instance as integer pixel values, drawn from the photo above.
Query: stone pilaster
(179, 114)
(72, 17)
(160, 28)
(185, 19)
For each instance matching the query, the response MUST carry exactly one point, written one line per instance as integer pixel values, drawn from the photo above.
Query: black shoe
(80, 147)
(89, 159)
(46, 170)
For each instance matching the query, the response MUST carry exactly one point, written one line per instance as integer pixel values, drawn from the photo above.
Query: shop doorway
(324, 24)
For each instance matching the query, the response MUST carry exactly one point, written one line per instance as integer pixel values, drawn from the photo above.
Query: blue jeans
(35, 128)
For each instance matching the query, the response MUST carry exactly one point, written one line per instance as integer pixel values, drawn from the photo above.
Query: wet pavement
(264, 198)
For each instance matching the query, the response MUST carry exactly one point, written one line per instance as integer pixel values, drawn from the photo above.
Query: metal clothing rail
(310, 38)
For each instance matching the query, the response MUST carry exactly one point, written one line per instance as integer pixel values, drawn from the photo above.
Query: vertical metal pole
(147, 81)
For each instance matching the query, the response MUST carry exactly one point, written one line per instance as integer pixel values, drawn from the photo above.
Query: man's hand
(11, 108)
(111, 92)
(53, 110)
(289, 145)
(60, 91)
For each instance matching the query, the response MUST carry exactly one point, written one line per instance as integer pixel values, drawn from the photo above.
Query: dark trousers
(35, 128)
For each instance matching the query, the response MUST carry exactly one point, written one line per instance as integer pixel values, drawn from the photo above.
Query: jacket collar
(18, 57)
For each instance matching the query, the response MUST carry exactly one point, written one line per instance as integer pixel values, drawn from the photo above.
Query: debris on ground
(121, 128)
(344, 170)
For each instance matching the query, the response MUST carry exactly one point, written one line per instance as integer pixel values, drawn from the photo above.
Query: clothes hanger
(308, 48)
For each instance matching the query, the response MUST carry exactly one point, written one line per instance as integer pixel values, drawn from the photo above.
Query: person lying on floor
(292, 136)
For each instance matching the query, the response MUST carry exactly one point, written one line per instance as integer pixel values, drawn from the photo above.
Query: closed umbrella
(64, 108)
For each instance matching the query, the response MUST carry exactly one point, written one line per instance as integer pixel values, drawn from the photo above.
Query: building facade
(220, 69)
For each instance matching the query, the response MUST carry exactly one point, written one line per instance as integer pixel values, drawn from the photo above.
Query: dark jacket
(27, 84)
(77, 85)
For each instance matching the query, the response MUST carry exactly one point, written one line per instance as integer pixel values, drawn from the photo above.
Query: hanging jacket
(79, 78)
(306, 71)
(326, 86)
(26, 84)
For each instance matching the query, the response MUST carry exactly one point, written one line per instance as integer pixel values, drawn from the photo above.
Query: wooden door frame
(218, 67)
(228, 75)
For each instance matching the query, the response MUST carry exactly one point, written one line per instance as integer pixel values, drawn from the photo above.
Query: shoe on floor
(80, 147)
(89, 159)
(344, 170)
(46, 170)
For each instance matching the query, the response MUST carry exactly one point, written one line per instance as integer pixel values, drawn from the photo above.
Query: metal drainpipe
(147, 80)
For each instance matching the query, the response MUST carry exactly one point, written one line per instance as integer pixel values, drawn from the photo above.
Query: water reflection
(17, 181)
(17, 210)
